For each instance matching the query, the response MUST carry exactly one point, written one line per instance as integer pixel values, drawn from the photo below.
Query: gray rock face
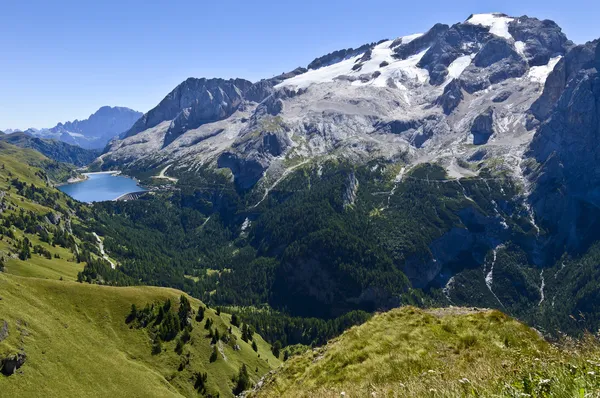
(578, 58)
(264, 88)
(338, 56)
(566, 148)
(452, 97)
(415, 98)
(503, 96)
(543, 39)
(483, 127)
(495, 50)
(193, 103)
(94, 132)
(350, 190)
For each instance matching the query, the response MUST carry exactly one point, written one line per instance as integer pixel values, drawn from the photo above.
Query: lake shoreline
(85, 176)
(99, 186)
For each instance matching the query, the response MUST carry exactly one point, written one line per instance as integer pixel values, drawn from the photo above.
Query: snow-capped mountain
(449, 94)
(92, 133)
(467, 154)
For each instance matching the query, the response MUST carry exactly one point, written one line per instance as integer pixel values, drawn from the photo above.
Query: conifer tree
(215, 355)
(242, 381)
(276, 349)
(200, 314)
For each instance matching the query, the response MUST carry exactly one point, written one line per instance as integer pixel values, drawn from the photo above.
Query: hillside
(34, 166)
(53, 149)
(439, 353)
(77, 343)
(95, 131)
(416, 170)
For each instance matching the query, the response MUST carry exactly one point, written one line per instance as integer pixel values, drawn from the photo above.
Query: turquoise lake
(100, 187)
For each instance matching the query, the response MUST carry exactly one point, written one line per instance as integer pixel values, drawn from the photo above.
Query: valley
(417, 216)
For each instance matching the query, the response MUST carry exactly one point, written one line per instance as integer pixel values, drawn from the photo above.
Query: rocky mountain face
(468, 151)
(429, 95)
(564, 150)
(94, 132)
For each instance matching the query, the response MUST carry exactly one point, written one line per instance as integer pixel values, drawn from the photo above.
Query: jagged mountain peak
(95, 131)
(433, 96)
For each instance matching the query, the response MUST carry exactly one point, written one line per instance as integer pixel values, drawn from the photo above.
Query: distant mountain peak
(95, 131)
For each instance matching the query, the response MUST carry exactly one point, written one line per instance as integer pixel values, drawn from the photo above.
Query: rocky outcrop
(452, 97)
(542, 39)
(566, 150)
(193, 103)
(350, 190)
(483, 127)
(577, 59)
(11, 363)
(378, 101)
(338, 56)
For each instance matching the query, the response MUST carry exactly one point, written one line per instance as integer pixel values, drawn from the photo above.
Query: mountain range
(91, 133)
(488, 124)
(451, 173)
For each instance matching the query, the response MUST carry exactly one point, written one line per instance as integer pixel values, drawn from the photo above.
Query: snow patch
(409, 38)
(457, 67)
(400, 71)
(397, 70)
(520, 47)
(497, 23)
(539, 74)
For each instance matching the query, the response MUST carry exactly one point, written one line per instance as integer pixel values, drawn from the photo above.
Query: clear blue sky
(62, 60)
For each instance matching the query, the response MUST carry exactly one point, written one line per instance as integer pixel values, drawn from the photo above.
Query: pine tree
(184, 312)
(254, 346)
(216, 336)
(286, 355)
(235, 320)
(156, 346)
(132, 314)
(200, 314)
(208, 324)
(276, 349)
(25, 252)
(200, 384)
(186, 336)
(179, 346)
(215, 355)
(242, 381)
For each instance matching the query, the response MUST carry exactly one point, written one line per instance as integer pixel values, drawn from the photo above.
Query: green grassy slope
(33, 169)
(440, 353)
(78, 344)
(54, 149)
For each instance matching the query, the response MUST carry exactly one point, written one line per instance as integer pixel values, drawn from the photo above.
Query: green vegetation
(78, 343)
(56, 150)
(440, 353)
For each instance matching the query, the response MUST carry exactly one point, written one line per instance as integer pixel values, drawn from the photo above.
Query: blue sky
(62, 60)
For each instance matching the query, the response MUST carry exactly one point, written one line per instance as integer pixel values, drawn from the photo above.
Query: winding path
(162, 175)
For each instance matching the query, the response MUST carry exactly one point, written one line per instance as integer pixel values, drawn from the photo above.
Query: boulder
(503, 96)
(451, 97)
(10, 364)
(483, 127)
